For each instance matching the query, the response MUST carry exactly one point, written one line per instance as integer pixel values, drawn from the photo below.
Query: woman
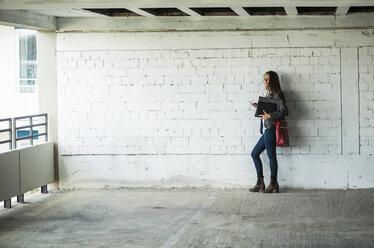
(268, 138)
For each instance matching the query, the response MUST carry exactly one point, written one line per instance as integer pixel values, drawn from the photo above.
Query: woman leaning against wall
(268, 138)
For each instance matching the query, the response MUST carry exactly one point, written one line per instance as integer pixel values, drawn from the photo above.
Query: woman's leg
(257, 150)
(270, 144)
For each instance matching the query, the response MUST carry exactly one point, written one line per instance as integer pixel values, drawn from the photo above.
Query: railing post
(31, 132)
(44, 189)
(9, 130)
(46, 127)
(21, 198)
(10, 135)
(8, 203)
(15, 133)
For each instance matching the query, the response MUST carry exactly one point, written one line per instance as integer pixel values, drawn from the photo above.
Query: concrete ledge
(26, 19)
(211, 23)
(217, 171)
(209, 40)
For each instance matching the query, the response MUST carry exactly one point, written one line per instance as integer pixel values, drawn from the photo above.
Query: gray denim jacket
(282, 111)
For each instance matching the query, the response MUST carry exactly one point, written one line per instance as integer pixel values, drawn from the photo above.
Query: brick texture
(198, 101)
(366, 85)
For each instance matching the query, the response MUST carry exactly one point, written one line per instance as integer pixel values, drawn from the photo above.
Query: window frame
(20, 88)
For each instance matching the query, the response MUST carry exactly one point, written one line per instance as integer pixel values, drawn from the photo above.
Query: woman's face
(266, 80)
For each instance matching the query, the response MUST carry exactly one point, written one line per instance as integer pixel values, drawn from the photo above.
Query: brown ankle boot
(260, 185)
(273, 185)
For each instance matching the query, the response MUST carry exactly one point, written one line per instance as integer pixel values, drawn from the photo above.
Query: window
(27, 61)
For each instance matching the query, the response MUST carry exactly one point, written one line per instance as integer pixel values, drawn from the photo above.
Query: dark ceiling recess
(361, 9)
(316, 10)
(165, 11)
(114, 12)
(265, 10)
(214, 11)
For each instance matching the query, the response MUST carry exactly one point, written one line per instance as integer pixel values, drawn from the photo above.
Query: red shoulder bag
(281, 133)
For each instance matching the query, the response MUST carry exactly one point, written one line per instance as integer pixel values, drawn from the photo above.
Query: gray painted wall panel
(9, 174)
(37, 166)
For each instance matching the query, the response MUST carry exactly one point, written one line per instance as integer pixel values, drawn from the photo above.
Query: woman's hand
(265, 116)
(254, 105)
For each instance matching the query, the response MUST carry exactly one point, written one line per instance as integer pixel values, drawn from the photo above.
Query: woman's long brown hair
(273, 86)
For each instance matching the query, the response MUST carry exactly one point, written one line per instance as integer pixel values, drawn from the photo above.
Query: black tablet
(267, 104)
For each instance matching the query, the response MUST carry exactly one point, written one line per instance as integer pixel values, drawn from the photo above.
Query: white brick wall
(186, 113)
(366, 85)
(196, 96)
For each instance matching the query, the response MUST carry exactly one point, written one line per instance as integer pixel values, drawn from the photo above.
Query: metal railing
(30, 127)
(9, 129)
(14, 129)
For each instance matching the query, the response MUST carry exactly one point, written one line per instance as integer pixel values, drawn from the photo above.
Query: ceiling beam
(48, 4)
(25, 19)
(222, 23)
(342, 10)
(291, 10)
(240, 11)
(208, 40)
(188, 11)
(140, 12)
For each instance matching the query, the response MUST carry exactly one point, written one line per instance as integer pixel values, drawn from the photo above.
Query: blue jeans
(268, 142)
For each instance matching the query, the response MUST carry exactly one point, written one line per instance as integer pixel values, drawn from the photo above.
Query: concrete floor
(201, 218)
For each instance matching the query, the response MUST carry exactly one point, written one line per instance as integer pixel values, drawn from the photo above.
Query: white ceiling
(73, 15)
(71, 8)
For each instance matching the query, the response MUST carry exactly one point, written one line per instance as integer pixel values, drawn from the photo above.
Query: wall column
(350, 102)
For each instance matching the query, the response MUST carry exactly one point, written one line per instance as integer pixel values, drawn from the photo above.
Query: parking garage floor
(191, 218)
